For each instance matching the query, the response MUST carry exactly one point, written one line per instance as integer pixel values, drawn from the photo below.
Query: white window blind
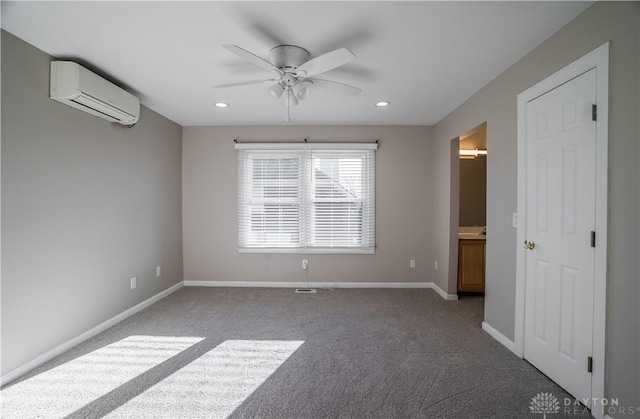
(306, 198)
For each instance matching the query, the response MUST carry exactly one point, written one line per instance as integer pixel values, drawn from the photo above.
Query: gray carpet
(270, 353)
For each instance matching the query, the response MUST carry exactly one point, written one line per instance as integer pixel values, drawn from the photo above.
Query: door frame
(598, 59)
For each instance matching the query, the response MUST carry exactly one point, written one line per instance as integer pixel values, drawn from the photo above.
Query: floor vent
(305, 291)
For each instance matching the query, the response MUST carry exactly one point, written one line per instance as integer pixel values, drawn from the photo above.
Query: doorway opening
(472, 215)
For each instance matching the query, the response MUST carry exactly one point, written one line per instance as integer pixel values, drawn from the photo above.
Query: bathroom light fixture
(383, 103)
(222, 105)
(473, 153)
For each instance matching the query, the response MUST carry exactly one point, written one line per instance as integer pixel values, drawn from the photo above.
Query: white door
(559, 278)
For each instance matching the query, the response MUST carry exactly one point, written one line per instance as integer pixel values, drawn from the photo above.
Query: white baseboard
(497, 335)
(257, 284)
(65, 346)
(440, 291)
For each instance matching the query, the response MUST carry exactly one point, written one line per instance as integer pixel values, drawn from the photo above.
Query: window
(306, 198)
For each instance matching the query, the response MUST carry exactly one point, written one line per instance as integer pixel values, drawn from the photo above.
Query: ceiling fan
(294, 72)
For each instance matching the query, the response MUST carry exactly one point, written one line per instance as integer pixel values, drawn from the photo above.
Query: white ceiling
(427, 58)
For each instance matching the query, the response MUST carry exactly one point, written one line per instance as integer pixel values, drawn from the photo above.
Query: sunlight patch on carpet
(213, 385)
(68, 387)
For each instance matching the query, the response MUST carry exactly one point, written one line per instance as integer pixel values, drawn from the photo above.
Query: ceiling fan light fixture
(288, 98)
(300, 90)
(276, 90)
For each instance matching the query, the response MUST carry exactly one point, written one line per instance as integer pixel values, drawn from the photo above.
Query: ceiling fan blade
(245, 83)
(326, 62)
(252, 57)
(337, 87)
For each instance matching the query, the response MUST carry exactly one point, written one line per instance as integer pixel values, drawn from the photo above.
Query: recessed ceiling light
(383, 103)
(222, 105)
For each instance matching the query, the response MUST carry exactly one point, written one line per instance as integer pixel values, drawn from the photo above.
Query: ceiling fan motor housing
(288, 57)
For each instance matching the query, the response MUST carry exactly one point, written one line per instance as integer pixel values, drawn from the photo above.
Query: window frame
(304, 151)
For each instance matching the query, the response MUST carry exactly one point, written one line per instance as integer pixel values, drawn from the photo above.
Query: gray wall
(404, 175)
(446, 190)
(86, 205)
(496, 104)
(473, 192)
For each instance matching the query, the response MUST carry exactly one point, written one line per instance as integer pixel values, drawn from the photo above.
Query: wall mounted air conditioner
(78, 87)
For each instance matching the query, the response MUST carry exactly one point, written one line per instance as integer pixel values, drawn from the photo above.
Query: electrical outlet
(305, 264)
(412, 263)
(133, 282)
(158, 271)
(435, 265)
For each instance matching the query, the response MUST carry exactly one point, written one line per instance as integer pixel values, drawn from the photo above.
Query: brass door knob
(529, 245)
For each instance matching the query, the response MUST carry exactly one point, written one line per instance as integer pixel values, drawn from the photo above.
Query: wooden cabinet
(471, 257)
